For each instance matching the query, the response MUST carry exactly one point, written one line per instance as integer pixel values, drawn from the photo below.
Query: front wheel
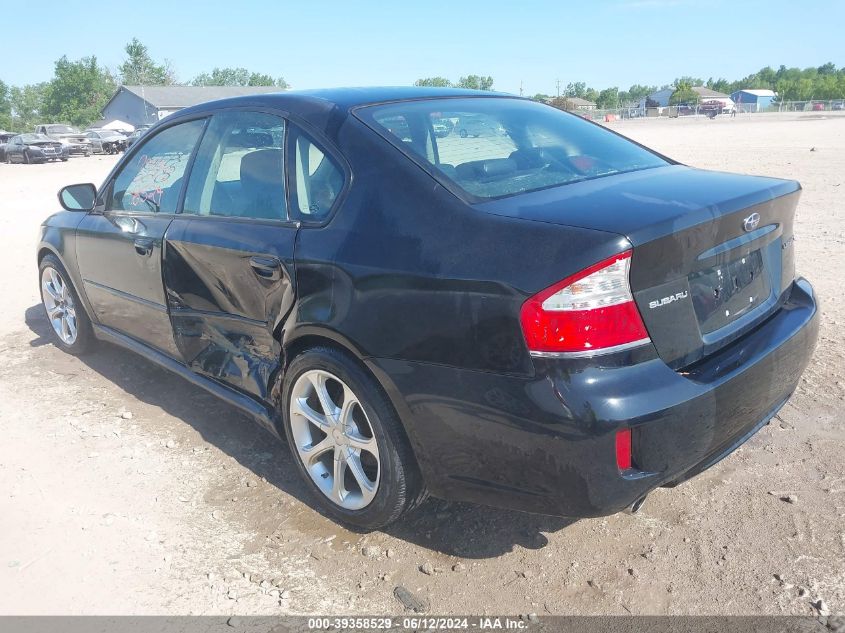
(463, 133)
(64, 310)
(347, 441)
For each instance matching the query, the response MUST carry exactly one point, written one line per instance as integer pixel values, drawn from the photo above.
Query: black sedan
(550, 318)
(34, 148)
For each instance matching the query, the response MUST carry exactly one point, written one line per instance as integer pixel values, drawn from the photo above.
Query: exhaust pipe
(635, 507)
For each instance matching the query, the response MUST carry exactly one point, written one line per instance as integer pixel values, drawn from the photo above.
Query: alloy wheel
(58, 302)
(334, 439)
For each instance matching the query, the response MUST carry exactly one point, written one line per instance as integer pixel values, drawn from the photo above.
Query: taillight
(590, 312)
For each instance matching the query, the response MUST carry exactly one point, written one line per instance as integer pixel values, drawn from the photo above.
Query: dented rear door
(228, 260)
(229, 286)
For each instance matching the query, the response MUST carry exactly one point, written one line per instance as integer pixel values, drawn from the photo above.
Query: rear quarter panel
(407, 271)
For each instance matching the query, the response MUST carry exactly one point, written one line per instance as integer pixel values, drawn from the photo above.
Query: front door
(119, 250)
(228, 264)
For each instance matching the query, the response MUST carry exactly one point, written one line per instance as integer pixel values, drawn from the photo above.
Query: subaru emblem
(750, 223)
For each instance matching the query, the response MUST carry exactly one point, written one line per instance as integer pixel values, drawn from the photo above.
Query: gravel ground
(125, 490)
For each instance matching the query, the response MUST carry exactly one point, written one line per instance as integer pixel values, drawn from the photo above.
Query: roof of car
(353, 97)
(344, 98)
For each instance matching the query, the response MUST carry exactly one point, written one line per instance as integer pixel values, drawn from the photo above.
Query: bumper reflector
(623, 449)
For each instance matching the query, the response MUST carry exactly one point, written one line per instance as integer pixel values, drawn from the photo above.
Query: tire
(366, 437)
(463, 133)
(52, 278)
(64, 160)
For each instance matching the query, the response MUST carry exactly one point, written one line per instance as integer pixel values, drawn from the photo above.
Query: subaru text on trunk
(548, 317)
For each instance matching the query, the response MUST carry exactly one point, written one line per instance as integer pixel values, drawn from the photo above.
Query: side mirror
(78, 197)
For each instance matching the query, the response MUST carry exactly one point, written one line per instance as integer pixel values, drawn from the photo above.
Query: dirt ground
(125, 490)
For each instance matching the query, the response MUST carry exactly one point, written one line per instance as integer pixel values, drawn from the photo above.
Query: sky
(530, 43)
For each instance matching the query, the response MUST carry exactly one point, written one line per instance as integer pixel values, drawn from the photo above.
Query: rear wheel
(347, 441)
(64, 310)
(463, 133)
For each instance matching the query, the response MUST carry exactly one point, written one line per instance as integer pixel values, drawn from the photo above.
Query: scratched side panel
(223, 313)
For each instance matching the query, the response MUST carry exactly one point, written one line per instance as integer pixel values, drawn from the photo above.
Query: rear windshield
(497, 147)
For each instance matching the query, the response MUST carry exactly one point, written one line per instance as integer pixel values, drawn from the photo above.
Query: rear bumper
(546, 443)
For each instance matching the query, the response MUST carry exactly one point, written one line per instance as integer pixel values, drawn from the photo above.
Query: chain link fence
(709, 110)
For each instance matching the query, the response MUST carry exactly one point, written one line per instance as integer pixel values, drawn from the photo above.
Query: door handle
(144, 245)
(266, 267)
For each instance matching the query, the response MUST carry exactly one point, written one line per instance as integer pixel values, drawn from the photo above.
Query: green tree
(139, 69)
(577, 89)
(5, 106)
(827, 69)
(237, 77)
(434, 82)
(683, 93)
(608, 98)
(78, 91)
(690, 81)
(27, 104)
(475, 82)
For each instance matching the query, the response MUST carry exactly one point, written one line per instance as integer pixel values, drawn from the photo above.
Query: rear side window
(239, 170)
(319, 179)
(497, 147)
(152, 180)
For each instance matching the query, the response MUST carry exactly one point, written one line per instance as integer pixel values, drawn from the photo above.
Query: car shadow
(456, 529)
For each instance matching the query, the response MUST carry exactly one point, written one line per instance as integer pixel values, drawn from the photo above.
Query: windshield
(34, 138)
(496, 147)
(60, 129)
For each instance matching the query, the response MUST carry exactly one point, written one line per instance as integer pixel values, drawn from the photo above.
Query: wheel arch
(47, 248)
(319, 337)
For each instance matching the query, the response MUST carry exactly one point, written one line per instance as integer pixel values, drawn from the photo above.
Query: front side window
(319, 179)
(239, 170)
(497, 147)
(152, 180)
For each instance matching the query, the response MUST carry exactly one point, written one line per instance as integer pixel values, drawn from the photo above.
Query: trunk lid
(712, 252)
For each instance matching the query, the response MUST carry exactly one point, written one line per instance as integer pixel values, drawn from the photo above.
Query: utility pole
(558, 88)
(520, 87)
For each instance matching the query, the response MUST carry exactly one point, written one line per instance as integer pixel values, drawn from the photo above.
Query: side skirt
(265, 417)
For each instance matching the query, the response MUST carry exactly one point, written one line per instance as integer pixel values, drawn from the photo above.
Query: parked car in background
(710, 109)
(554, 319)
(34, 148)
(477, 125)
(5, 137)
(75, 141)
(138, 133)
(837, 105)
(818, 106)
(442, 127)
(106, 141)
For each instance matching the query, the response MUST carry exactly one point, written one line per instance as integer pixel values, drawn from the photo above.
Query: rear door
(119, 250)
(228, 266)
